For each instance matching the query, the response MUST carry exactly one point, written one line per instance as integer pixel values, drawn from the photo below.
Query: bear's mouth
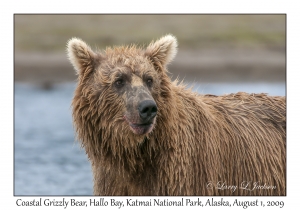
(140, 129)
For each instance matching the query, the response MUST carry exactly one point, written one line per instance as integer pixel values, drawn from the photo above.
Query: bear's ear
(81, 56)
(162, 51)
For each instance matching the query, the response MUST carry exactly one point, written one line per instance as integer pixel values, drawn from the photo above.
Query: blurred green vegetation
(49, 33)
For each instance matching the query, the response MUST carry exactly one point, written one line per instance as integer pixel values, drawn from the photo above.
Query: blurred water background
(218, 54)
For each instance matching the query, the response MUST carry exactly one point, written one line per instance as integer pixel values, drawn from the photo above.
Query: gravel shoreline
(212, 65)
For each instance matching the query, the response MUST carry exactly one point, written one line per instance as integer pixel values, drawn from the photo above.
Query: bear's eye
(149, 82)
(119, 83)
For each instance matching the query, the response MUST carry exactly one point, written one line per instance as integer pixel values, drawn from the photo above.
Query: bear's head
(120, 89)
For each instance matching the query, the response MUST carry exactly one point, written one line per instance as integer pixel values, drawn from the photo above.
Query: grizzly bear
(147, 135)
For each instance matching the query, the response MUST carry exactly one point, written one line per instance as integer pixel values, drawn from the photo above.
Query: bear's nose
(147, 109)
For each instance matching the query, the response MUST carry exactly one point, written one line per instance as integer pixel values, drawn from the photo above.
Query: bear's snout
(147, 110)
(141, 116)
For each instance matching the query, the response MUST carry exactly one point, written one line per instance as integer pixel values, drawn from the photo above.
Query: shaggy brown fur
(190, 145)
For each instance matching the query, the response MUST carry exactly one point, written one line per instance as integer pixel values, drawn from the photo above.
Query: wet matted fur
(180, 142)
